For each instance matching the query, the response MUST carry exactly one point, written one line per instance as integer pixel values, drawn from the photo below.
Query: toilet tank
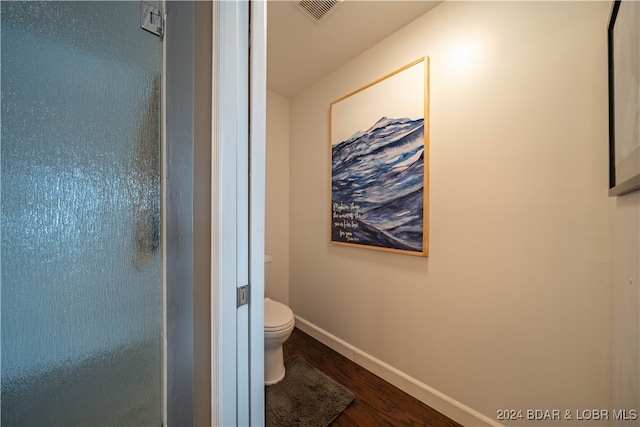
(267, 274)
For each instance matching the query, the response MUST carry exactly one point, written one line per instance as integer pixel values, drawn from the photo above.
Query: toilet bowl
(278, 325)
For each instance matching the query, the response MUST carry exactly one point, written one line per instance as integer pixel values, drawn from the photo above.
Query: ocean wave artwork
(377, 186)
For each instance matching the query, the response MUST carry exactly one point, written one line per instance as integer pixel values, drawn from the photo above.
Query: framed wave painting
(379, 163)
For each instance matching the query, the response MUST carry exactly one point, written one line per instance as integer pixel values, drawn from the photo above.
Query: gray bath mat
(305, 397)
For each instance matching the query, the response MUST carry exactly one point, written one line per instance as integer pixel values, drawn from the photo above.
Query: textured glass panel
(81, 268)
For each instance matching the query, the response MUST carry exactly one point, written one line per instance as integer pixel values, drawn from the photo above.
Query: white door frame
(257, 144)
(238, 171)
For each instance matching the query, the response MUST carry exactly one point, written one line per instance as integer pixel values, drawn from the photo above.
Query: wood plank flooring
(377, 402)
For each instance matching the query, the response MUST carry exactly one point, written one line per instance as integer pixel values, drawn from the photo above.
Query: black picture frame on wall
(624, 97)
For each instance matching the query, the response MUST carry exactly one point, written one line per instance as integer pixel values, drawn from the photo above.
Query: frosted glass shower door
(81, 263)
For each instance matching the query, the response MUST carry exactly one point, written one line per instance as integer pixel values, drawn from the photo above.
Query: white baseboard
(428, 395)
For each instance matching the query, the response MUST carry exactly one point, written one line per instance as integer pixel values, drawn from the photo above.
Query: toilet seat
(278, 325)
(277, 316)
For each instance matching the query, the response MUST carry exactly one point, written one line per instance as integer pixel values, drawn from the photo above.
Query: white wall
(625, 324)
(512, 309)
(277, 196)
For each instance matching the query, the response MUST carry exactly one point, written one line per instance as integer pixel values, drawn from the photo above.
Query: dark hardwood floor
(377, 402)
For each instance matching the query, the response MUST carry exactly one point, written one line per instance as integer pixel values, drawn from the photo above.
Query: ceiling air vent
(317, 10)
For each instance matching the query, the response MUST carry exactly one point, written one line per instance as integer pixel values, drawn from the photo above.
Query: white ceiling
(301, 51)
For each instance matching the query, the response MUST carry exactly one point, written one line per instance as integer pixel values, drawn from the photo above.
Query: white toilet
(278, 324)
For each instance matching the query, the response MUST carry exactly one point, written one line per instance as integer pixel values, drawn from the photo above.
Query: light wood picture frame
(380, 163)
